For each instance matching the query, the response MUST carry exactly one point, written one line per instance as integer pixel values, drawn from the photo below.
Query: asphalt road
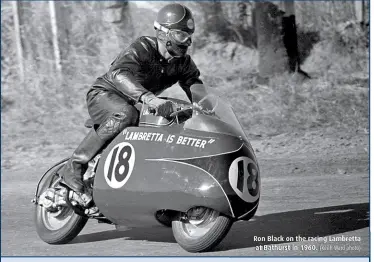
(309, 197)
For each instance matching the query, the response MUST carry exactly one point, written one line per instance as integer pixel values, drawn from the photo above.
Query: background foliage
(47, 111)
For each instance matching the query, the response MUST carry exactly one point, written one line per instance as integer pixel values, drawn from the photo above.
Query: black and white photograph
(185, 128)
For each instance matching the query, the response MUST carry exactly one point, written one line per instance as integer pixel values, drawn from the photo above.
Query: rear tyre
(202, 235)
(58, 227)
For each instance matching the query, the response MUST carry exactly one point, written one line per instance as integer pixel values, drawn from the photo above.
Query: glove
(163, 107)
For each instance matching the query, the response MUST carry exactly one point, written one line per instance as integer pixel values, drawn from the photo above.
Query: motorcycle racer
(138, 74)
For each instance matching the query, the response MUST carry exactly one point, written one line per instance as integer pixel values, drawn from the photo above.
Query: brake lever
(174, 114)
(205, 111)
(180, 109)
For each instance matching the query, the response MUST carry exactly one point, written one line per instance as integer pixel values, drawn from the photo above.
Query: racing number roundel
(244, 179)
(119, 164)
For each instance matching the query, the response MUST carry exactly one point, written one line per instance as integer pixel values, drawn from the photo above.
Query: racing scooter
(194, 171)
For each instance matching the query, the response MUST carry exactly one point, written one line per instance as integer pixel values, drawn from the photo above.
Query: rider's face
(180, 41)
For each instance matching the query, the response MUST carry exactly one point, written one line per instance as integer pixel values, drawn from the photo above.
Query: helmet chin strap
(173, 49)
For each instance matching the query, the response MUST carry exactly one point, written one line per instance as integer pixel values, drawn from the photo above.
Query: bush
(351, 36)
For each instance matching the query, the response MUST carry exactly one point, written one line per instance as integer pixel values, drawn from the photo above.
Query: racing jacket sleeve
(189, 76)
(125, 72)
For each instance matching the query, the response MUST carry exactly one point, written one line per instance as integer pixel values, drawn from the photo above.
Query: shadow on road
(154, 234)
(306, 223)
(316, 222)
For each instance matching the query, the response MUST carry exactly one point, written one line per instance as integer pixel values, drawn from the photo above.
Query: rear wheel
(60, 226)
(203, 232)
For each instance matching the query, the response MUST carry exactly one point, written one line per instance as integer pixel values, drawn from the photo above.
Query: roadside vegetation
(45, 114)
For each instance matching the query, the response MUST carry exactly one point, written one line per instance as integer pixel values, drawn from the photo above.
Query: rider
(138, 74)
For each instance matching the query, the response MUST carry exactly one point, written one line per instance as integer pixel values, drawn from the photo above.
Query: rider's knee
(131, 115)
(117, 122)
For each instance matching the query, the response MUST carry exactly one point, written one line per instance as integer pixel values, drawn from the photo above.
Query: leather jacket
(140, 69)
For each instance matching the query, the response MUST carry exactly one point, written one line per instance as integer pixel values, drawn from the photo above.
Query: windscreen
(212, 105)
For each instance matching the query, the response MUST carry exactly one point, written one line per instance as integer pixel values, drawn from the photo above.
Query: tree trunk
(119, 13)
(56, 48)
(63, 12)
(272, 53)
(277, 39)
(36, 54)
(215, 21)
(17, 35)
(290, 36)
(360, 10)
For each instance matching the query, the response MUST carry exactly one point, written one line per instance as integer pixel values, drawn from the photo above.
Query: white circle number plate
(119, 165)
(244, 179)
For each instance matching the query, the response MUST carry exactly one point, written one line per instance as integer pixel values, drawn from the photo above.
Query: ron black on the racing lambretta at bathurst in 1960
(220, 128)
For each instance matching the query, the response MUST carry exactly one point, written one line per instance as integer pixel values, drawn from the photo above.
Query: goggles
(179, 36)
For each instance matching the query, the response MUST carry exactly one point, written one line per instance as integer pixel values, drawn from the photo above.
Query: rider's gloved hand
(163, 107)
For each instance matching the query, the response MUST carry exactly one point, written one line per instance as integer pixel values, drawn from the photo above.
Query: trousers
(111, 113)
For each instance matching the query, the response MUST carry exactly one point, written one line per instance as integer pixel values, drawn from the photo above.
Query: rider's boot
(73, 171)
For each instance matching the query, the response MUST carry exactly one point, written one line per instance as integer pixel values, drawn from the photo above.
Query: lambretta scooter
(194, 171)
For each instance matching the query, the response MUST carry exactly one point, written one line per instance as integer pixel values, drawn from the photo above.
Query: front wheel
(60, 226)
(202, 233)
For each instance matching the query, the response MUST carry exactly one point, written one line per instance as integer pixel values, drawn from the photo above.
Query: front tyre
(202, 234)
(59, 227)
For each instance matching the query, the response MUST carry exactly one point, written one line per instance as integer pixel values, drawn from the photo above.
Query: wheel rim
(56, 220)
(199, 227)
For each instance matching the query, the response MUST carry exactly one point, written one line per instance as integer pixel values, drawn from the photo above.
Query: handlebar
(179, 109)
(186, 110)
